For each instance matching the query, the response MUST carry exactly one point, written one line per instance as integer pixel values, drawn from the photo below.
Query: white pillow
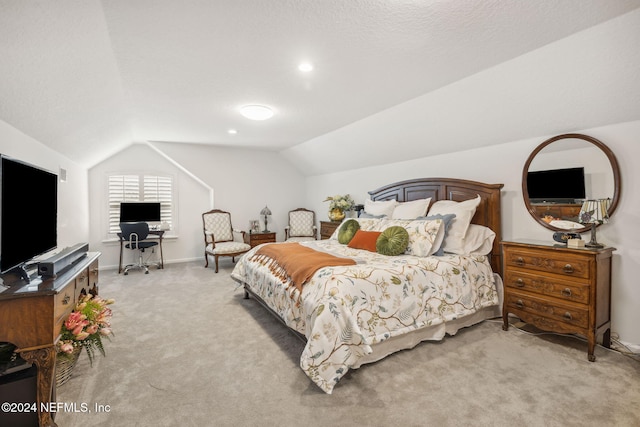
(411, 210)
(380, 207)
(464, 212)
(478, 241)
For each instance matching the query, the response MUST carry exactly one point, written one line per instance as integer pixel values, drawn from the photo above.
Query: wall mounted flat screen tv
(140, 212)
(556, 185)
(28, 213)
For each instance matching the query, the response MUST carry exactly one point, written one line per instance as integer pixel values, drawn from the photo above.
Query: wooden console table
(31, 316)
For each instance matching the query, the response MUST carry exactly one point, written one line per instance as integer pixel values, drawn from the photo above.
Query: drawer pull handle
(568, 316)
(519, 304)
(66, 300)
(566, 292)
(519, 261)
(568, 268)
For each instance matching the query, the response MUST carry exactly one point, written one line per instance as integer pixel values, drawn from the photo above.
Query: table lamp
(594, 212)
(266, 212)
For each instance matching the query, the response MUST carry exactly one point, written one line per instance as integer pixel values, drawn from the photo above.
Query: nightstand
(258, 238)
(327, 228)
(559, 289)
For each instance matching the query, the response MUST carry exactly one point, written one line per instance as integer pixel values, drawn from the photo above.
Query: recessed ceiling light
(305, 67)
(256, 112)
(232, 131)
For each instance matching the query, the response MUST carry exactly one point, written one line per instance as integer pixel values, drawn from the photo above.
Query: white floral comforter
(344, 310)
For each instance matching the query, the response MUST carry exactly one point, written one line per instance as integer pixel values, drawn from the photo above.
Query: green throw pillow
(393, 241)
(348, 230)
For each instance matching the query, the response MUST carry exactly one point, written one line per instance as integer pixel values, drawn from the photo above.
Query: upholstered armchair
(220, 239)
(302, 226)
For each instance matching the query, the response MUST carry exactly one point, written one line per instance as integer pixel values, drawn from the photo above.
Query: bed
(374, 305)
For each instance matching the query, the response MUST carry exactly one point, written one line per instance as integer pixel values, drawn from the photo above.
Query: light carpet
(190, 351)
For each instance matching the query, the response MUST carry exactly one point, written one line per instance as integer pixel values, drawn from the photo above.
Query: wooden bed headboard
(488, 212)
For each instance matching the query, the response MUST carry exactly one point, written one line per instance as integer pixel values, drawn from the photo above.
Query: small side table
(255, 239)
(327, 228)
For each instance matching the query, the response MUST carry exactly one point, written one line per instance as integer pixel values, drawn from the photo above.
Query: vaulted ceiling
(90, 77)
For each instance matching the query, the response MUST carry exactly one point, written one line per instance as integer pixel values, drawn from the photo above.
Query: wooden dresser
(31, 317)
(559, 289)
(327, 228)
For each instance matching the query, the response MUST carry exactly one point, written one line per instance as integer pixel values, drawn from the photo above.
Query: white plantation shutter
(139, 188)
(159, 189)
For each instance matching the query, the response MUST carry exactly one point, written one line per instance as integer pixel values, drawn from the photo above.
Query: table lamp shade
(594, 211)
(265, 212)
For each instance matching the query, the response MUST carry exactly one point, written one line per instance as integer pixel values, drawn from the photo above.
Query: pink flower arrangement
(86, 325)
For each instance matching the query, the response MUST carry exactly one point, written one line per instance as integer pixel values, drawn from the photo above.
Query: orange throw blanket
(297, 263)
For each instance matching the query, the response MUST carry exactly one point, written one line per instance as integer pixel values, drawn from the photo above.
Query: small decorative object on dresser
(327, 228)
(559, 289)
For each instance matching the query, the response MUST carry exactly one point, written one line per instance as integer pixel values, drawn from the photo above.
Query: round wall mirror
(561, 173)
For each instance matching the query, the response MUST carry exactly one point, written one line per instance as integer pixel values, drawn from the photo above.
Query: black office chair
(134, 234)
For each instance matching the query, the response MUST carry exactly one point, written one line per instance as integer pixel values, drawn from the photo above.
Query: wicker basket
(65, 362)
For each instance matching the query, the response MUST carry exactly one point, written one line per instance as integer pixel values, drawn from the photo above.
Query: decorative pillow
(411, 210)
(446, 219)
(464, 212)
(368, 215)
(425, 237)
(348, 230)
(380, 207)
(365, 240)
(392, 241)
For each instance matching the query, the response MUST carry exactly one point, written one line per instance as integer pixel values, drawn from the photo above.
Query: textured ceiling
(88, 78)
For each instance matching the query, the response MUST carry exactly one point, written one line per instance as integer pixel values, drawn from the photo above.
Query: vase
(65, 362)
(336, 214)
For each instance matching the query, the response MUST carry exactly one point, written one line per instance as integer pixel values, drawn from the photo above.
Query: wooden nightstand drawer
(576, 291)
(565, 313)
(549, 261)
(255, 239)
(327, 228)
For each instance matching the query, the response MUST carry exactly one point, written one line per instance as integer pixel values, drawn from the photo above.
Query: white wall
(503, 164)
(73, 222)
(236, 180)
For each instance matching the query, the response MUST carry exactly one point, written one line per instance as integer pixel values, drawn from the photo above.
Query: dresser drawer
(82, 284)
(576, 291)
(64, 301)
(549, 261)
(565, 313)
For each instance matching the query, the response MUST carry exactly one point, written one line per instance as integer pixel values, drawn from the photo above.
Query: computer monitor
(140, 212)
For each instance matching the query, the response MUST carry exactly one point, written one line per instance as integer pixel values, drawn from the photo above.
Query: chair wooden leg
(216, 263)
(206, 260)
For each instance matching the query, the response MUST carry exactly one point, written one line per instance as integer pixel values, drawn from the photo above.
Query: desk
(154, 234)
(31, 316)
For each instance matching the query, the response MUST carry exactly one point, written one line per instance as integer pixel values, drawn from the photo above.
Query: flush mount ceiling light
(305, 67)
(232, 131)
(256, 112)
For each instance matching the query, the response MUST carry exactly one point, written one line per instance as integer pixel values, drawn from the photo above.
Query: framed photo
(254, 226)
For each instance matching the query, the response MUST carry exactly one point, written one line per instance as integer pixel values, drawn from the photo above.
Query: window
(139, 188)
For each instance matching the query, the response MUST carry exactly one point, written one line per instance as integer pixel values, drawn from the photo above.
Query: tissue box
(575, 243)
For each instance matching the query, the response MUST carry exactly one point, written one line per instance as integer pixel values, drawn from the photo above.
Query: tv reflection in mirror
(556, 186)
